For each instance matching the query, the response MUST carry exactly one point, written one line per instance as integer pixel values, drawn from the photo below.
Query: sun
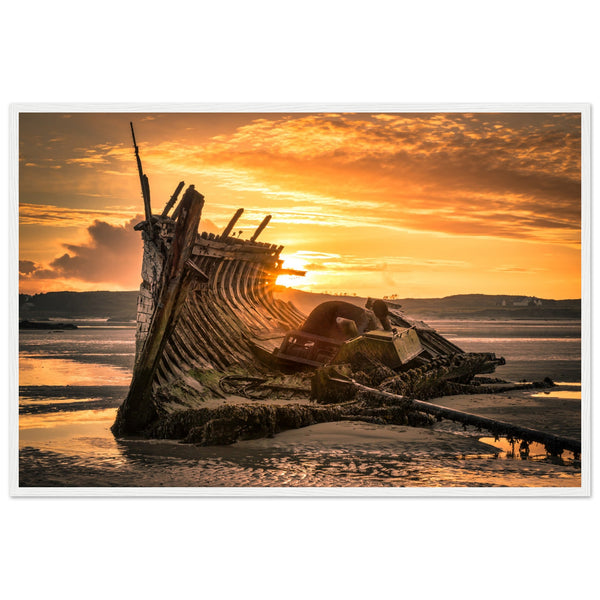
(292, 262)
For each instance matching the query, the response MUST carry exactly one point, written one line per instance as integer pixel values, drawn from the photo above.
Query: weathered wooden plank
(260, 228)
(173, 199)
(143, 180)
(232, 222)
(137, 411)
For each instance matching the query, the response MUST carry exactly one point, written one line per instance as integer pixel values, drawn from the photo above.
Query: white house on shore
(527, 301)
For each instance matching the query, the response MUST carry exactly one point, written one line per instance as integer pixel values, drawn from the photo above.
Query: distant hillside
(458, 306)
(121, 306)
(118, 306)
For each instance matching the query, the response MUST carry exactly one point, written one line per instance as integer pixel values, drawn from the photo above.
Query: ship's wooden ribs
(245, 285)
(234, 317)
(173, 199)
(260, 228)
(231, 303)
(220, 326)
(211, 352)
(276, 307)
(137, 411)
(231, 224)
(255, 276)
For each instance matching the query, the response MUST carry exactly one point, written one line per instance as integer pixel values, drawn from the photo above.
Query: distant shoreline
(46, 325)
(121, 307)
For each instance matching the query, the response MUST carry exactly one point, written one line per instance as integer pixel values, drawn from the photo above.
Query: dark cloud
(45, 274)
(27, 267)
(112, 256)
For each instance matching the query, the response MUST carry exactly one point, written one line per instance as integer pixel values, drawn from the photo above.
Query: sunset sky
(418, 205)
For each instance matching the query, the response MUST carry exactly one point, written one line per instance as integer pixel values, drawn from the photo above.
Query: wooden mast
(143, 181)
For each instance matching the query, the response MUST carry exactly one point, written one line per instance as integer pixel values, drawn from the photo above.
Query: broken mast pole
(143, 180)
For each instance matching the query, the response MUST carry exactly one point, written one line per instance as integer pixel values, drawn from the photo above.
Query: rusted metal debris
(209, 325)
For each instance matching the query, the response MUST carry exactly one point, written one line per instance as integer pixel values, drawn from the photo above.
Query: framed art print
(384, 300)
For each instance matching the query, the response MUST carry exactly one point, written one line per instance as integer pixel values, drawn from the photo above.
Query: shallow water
(532, 349)
(73, 381)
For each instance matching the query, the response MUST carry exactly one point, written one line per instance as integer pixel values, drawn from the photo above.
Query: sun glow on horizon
(297, 263)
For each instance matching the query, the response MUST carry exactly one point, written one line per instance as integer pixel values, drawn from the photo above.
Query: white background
(297, 52)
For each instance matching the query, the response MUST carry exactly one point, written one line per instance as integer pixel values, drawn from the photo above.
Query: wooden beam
(260, 228)
(232, 223)
(143, 179)
(555, 444)
(147, 205)
(201, 275)
(137, 411)
(173, 199)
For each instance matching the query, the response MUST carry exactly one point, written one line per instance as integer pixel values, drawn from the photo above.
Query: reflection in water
(565, 394)
(528, 451)
(61, 372)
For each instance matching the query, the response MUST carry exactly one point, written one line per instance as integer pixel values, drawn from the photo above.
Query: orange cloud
(509, 176)
(56, 216)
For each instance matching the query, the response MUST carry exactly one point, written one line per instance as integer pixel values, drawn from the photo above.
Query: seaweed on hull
(220, 358)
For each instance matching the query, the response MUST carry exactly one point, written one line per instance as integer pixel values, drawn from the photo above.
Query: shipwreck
(219, 357)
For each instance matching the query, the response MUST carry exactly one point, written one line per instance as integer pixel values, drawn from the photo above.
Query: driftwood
(554, 444)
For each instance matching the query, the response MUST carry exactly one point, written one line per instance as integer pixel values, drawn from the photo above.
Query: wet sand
(555, 410)
(340, 454)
